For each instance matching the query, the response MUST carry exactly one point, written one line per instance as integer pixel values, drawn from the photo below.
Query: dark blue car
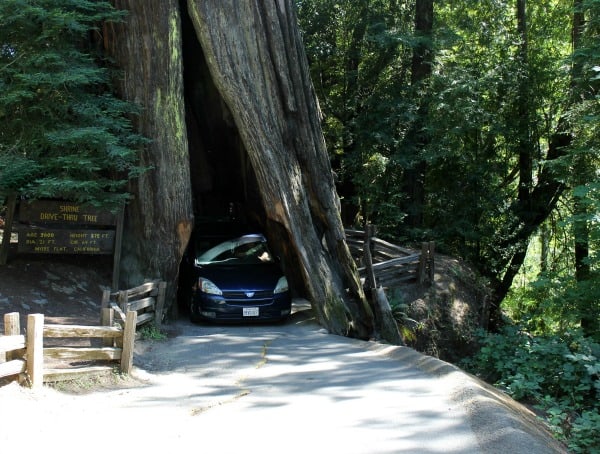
(239, 280)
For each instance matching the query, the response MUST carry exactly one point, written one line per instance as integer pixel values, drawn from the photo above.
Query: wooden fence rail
(147, 300)
(122, 312)
(391, 264)
(28, 355)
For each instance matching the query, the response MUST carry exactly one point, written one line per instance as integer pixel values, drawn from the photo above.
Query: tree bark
(147, 49)
(257, 61)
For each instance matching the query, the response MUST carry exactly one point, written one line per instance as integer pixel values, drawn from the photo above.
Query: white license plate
(250, 311)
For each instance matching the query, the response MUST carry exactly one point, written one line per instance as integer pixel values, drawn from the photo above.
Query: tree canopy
(63, 133)
(471, 123)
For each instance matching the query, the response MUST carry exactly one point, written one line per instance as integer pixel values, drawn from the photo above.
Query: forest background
(476, 124)
(471, 123)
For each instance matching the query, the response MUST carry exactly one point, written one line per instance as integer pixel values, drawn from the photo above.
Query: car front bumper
(241, 308)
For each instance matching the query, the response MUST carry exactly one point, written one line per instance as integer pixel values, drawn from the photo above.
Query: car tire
(194, 318)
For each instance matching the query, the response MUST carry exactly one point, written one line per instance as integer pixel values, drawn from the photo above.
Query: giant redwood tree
(220, 75)
(159, 219)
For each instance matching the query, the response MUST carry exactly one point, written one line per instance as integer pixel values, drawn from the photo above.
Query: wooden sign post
(60, 227)
(11, 202)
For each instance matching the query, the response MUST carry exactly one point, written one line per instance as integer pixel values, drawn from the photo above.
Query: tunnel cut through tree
(223, 184)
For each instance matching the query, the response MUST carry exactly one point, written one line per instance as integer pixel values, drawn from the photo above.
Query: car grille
(242, 296)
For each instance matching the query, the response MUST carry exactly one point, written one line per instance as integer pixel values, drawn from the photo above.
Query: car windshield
(245, 250)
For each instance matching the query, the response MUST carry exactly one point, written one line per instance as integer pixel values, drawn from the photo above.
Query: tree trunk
(583, 173)
(159, 219)
(583, 170)
(257, 61)
(417, 138)
(525, 145)
(514, 236)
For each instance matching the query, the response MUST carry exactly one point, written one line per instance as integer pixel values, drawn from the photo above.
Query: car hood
(262, 277)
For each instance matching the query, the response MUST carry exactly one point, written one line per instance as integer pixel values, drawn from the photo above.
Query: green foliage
(553, 303)
(150, 331)
(64, 135)
(560, 374)
(477, 127)
(496, 98)
(495, 95)
(357, 52)
(399, 308)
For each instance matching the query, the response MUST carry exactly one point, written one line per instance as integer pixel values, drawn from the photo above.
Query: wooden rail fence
(391, 264)
(147, 300)
(26, 355)
(36, 357)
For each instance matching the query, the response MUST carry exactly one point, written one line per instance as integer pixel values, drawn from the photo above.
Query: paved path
(290, 388)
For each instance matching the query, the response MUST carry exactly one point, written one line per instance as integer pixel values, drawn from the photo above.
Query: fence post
(118, 247)
(423, 262)
(107, 319)
(11, 204)
(128, 341)
(105, 299)
(35, 349)
(124, 300)
(104, 303)
(160, 303)
(431, 261)
(12, 327)
(368, 257)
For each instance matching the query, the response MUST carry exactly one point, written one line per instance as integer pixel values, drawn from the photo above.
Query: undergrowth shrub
(558, 374)
(152, 332)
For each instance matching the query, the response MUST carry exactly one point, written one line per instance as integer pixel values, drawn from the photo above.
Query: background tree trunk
(417, 138)
(257, 61)
(159, 220)
(583, 172)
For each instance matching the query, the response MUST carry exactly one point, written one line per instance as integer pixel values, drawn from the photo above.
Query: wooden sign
(61, 241)
(63, 227)
(64, 213)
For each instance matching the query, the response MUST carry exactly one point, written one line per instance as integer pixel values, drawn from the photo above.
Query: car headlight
(282, 285)
(209, 287)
